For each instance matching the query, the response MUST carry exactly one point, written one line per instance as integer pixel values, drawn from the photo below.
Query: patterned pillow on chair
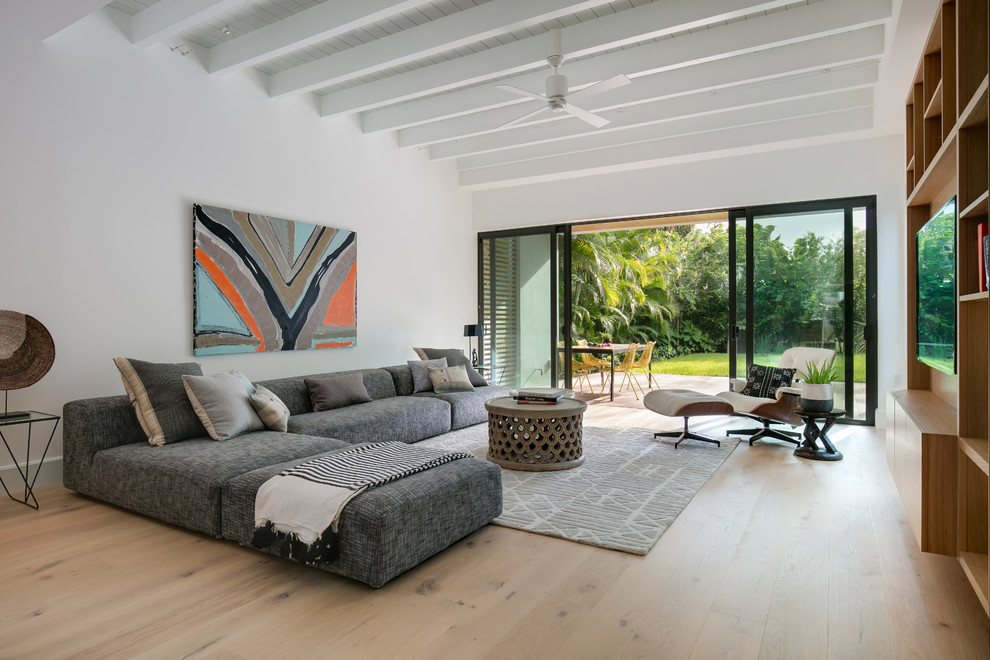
(763, 381)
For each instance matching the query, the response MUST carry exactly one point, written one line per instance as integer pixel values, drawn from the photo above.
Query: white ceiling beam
(649, 21)
(745, 116)
(647, 154)
(170, 17)
(701, 103)
(516, 57)
(310, 26)
(454, 31)
(734, 39)
(43, 20)
(832, 51)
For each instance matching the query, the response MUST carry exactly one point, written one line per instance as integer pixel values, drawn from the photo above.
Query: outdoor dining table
(610, 350)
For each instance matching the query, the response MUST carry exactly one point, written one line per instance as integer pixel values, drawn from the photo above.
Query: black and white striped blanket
(301, 503)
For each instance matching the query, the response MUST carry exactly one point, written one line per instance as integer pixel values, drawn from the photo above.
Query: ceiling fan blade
(522, 92)
(589, 117)
(524, 117)
(599, 87)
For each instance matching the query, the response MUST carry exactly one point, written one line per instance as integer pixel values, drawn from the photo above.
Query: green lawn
(717, 364)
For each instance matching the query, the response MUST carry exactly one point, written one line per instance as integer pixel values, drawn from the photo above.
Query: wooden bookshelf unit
(937, 428)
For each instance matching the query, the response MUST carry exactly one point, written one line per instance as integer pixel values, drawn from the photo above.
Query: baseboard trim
(50, 475)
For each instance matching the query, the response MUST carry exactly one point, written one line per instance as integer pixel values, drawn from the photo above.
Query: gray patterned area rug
(627, 492)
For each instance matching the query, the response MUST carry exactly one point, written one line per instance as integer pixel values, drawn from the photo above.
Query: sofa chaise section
(385, 531)
(177, 483)
(181, 483)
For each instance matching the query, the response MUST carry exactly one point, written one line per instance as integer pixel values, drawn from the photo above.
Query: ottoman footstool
(686, 404)
(388, 530)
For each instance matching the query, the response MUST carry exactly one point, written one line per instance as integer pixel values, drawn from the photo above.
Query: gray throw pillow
(763, 381)
(271, 409)
(223, 405)
(450, 379)
(337, 391)
(454, 357)
(421, 375)
(159, 398)
(248, 385)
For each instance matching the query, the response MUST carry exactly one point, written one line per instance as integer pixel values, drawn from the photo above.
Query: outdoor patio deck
(624, 397)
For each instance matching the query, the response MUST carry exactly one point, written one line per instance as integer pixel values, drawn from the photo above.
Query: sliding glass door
(805, 275)
(797, 275)
(520, 304)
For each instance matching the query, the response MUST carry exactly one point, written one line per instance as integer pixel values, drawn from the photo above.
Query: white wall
(872, 166)
(104, 148)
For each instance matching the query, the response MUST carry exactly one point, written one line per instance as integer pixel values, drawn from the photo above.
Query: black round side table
(812, 433)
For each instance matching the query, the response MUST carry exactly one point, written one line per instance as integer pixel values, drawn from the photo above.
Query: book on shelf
(983, 245)
(986, 262)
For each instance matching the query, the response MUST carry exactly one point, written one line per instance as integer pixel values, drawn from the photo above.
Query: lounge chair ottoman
(387, 530)
(686, 404)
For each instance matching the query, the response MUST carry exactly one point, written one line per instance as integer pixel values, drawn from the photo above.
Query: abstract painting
(262, 283)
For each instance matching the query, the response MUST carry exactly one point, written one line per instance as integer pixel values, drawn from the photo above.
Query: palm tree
(621, 284)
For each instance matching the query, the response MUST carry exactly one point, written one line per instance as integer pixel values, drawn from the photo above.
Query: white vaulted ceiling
(708, 76)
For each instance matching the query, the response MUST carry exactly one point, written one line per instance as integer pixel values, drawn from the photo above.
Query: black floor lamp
(475, 330)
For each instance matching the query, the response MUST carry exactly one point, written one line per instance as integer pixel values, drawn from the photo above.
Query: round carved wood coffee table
(535, 437)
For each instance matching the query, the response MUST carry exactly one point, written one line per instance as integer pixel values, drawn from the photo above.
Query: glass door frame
(560, 305)
(846, 205)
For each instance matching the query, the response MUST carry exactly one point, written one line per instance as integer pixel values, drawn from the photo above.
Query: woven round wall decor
(26, 350)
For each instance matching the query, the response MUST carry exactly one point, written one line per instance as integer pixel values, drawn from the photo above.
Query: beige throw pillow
(454, 358)
(271, 409)
(450, 379)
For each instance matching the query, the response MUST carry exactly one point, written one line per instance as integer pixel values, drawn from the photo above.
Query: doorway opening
(709, 293)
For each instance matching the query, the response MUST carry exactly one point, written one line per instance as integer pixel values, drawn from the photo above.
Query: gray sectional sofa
(210, 486)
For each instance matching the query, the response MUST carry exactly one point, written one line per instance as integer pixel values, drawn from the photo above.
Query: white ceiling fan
(556, 98)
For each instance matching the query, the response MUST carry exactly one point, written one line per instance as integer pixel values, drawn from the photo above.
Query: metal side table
(30, 418)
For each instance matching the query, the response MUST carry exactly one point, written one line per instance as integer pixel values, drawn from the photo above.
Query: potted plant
(816, 388)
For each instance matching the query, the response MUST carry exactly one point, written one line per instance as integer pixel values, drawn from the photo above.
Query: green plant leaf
(823, 375)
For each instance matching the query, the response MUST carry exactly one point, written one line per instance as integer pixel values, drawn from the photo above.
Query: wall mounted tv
(936, 311)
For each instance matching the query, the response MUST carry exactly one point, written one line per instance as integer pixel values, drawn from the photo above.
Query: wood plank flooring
(775, 557)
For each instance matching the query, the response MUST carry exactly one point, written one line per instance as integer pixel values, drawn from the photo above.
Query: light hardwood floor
(775, 557)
